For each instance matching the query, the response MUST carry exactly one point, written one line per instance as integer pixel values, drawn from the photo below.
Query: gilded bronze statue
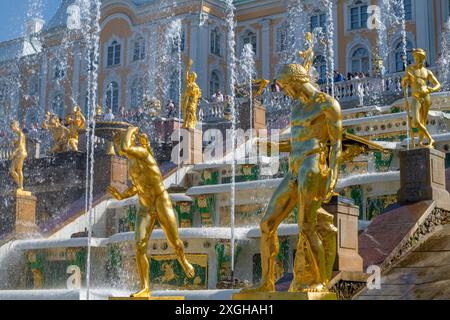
(315, 150)
(75, 122)
(59, 132)
(154, 204)
(417, 77)
(19, 155)
(190, 98)
(308, 55)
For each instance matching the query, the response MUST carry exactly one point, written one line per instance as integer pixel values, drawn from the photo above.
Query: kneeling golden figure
(154, 203)
(315, 150)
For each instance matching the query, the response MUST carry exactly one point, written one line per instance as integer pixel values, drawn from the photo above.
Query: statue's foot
(144, 293)
(188, 270)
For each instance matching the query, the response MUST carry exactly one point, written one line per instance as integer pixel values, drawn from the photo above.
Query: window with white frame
(214, 83)
(318, 20)
(250, 37)
(216, 38)
(112, 96)
(137, 93)
(358, 15)
(320, 63)
(114, 51)
(58, 105)
(138, 49)
(400, 58)
(282, 37)
(360, 61)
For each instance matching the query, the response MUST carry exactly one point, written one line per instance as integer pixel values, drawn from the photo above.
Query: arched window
(360, 61)
(114, 54)
(358, 15)
(282, 37)
(250, 37)
(137, 93)
(318, 20)
(214, 83)
(215, 42)
(177, 42)
(138, 49)
(58, 105)
(112, 96)
(320, 63)
(400, 55)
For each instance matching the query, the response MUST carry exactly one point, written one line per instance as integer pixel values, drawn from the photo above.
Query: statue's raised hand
(115, 193)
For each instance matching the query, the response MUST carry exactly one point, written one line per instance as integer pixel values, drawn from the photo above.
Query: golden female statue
(417, 76)
(190, 98)
(315, 150)
(19, 155)
(59, 132)
(76, 123)
(154, 203)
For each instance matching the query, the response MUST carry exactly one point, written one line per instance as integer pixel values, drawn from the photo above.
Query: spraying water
(444, 61)
(231, 24)
(246, 74)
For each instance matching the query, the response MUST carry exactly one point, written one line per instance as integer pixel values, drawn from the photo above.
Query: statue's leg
(328, 234)
(310, 265)
(144, 226)
(168, 221)
(14, 172)
(415, 121)
(20, 172)
(425, 108)
(280, 206)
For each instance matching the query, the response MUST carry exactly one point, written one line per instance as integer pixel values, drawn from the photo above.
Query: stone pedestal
(195, 147)
(422, 177)
(164, 128)
(112, 171)
(346, 220)
(259, 116)
(284, 296)
(25, 226)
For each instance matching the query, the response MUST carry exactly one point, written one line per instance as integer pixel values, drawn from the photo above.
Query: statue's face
(288, 88)
(14, 126)
(419, 58)
(193, 77)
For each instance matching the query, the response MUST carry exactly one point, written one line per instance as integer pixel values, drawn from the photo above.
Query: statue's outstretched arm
(130, 192)
(334, 127)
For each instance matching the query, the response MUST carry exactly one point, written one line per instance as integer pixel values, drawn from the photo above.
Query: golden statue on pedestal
(417, 76)
(315, 150)
(19, 155)
(190, 98)
(154, 204)
(60, 133)
(308, 55)
(76, 122)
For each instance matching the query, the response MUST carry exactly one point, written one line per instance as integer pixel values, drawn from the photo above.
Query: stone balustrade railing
(6, 150)
(211, 111)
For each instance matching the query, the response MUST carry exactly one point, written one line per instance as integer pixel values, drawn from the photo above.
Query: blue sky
(13, 14)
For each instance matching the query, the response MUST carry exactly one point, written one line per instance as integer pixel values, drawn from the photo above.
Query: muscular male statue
(315, 150)
(417, 76)
(19, 155)
(154, 203)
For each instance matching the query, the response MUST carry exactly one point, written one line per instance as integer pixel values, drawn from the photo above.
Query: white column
(265, 45)
(423, 27)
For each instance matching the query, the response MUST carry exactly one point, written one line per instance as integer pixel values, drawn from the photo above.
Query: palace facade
(47, 68)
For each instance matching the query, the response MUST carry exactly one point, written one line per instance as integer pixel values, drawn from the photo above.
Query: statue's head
(419, 55)
(309, 37)
(292, 78)
(15, 126)
(76, 109)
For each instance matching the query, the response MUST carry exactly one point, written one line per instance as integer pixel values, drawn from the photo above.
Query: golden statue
(19, 155)
(417, 76)
(154, 204)
(60, 133)
(315, 150)
(76, 122)
(190, 98)
(259, 86)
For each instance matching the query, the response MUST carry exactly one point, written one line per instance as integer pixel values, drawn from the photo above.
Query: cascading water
(444, 60)
(231, 57)
(247, 72)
